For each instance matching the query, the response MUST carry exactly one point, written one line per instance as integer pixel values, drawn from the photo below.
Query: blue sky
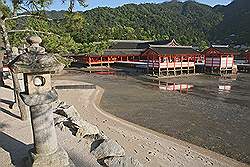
(114, 3)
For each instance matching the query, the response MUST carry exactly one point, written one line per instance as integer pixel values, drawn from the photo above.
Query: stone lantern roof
(35, 59)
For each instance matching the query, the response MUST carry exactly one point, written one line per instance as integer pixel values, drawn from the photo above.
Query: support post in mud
(174, 65)
(37, 67)
(159, 75)
(167, 66)
(194, 63)
(181, 64)
(147, 64)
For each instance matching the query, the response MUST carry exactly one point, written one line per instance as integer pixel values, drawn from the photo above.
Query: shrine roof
(222, 49)
(111, 52)
(174, 50)
(139, 44)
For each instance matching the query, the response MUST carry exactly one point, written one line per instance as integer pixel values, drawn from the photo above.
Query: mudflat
(208, 115)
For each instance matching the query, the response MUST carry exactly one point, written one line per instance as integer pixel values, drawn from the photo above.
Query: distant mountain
(235, 26)
(54, 14)
(191, 23)
(188, 22)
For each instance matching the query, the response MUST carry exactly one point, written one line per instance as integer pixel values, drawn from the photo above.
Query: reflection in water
(182, 88)
(225, 84)
(225, 88)
(105, 73)
(205, 117)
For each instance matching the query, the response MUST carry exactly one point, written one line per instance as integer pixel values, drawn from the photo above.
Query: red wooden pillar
(147, 64)
(159, 65)
(153, 65)
(108, 61)
(101, 61)
(89, 61)
(232, 59)
(174, 65)
(90, 64)
(167, 64)
(181, 63)
(194, 62)
(205, 60)
(226, 63)
(220, 55)
(212, 66)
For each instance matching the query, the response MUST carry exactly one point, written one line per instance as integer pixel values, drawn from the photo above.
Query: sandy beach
(206, 117)
(152, 149)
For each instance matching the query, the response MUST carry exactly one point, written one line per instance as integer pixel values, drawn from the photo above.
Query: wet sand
(215, 120)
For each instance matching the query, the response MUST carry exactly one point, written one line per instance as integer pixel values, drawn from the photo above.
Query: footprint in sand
(151, 153)
(169, 157)
(156, 149)
(172, 148)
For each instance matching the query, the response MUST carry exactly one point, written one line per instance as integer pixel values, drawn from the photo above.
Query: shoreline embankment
(95, 100)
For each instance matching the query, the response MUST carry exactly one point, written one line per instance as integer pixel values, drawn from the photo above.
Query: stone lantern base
(58, 159)
(37, 67)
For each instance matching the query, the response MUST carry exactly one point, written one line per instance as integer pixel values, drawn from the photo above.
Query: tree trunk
(16, 85)
(18, 100)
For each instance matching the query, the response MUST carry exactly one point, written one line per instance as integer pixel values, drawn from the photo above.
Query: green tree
(72, 4)
(5, 12)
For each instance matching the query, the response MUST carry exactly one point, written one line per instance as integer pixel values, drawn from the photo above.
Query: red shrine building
(160, 58)
(121, 51)
(219, 59)
(170, 60)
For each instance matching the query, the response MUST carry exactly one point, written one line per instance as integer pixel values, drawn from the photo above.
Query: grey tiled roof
(174, 50)
(225, 49)
(123, 52)
(136, 44)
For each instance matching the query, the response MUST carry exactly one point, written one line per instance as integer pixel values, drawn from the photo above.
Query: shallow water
(206, 116)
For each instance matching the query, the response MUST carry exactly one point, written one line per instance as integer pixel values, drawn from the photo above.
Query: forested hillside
(235, 26)
(190, 23)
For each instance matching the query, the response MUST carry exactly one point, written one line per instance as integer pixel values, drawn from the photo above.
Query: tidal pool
(215, 114)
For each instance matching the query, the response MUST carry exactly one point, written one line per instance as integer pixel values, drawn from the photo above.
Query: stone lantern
(37, 66)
